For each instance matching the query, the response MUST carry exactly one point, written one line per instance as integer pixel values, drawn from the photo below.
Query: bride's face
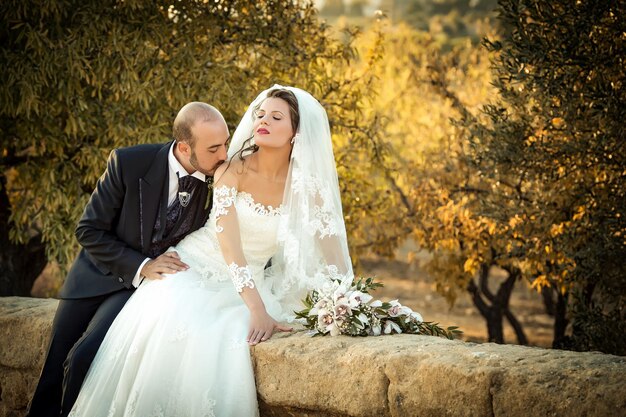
(272, 124)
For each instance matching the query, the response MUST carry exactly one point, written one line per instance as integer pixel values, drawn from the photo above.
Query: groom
(148, 199)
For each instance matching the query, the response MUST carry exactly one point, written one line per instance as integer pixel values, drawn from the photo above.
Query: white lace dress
(178, 346)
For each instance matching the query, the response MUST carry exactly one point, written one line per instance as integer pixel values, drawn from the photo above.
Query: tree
(555, 144)
(421, 86)
(533, 184)
(83, 77)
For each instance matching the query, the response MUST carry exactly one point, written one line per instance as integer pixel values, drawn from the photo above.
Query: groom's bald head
(201, 136)
(189, 116)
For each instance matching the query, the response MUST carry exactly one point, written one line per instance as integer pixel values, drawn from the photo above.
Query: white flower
(363, 319)
(376, 304)
(357, 298)
(339, 294)
(398, 309)
(417, 316)
(333, 329)
(375, 329)
(340, 299)
(391, 326)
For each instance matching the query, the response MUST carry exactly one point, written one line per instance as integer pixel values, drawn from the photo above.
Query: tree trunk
(517, 327)
(20, 264)
(548, 300)
(498, 307)
(560, 341)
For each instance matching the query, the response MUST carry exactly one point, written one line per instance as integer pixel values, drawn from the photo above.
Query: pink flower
(324, 317)
(394, 311)
(342, 310)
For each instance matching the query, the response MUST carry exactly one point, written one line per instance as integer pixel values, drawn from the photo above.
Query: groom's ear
(184, 148)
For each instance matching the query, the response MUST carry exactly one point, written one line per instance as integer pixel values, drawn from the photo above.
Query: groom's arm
(96, 228)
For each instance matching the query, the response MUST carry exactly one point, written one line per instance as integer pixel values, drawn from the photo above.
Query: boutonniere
(209, 194)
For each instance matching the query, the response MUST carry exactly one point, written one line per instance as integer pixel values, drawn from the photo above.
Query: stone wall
(403, 375)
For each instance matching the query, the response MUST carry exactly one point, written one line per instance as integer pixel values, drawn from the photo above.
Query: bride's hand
(262, 327)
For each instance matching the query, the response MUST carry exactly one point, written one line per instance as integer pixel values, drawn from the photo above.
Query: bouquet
(335, 310)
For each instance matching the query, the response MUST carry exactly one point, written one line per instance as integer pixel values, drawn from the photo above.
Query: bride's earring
(293, 139)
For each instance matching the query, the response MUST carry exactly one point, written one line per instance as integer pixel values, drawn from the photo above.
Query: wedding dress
(178, 346)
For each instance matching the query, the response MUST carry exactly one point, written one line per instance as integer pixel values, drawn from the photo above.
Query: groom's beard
(193, 160)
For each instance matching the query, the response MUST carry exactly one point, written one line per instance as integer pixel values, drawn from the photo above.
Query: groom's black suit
(115, 233)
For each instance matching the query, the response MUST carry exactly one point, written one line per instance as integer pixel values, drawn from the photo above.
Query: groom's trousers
(78, 330)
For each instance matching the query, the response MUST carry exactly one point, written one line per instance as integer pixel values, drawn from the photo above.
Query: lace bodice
(258, 225)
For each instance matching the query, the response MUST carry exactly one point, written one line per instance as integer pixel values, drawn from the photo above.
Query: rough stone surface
(24, 333)
(403, 375)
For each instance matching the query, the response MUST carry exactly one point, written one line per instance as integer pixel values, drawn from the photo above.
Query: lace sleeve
(228, 233)
(223, 199)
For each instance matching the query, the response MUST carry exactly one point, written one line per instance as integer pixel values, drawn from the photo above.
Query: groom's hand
(168, 263)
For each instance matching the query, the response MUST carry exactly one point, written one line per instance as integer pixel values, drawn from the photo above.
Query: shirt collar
(177, 168)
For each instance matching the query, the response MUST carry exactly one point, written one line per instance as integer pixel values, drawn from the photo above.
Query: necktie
(186, 187)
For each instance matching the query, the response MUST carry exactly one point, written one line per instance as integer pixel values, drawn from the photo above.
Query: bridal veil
(312, 240)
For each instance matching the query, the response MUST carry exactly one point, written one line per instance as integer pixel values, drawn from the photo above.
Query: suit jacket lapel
(152, 187)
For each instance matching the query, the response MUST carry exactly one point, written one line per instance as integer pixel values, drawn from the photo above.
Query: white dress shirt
(176, 171)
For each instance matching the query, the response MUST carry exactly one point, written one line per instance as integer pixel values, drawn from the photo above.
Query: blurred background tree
(529, 188)
(555, 149)
(83, 77)
(424, 84)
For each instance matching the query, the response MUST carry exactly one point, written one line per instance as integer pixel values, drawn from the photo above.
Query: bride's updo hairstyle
(249, 147)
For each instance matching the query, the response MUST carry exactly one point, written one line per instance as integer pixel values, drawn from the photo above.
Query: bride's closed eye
(260, 115)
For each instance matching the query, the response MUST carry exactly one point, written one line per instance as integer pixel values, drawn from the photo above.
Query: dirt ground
(416, 290)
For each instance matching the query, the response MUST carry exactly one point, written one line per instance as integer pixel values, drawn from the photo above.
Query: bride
(180, 346)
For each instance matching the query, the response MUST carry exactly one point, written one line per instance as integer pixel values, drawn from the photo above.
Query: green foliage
(83, 77)
(555, 149)
(533, 183)
(427, 188)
